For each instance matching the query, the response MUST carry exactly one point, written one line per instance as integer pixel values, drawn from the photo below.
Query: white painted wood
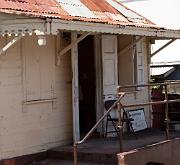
(32, 80)
(9, 44)
(109, 56)
(15, 24)
(38, 64)
(112, 29)
(164, 46)
(140, 62)
(23, 26)
(45, 124)
(99, 81)
(67, 48)
(75, 89)
(110, 74)
(39, 101)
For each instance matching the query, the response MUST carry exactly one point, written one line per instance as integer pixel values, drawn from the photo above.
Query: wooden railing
(166, 101)
(118, 103)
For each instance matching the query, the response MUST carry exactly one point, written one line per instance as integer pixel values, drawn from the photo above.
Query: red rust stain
(53, 9)
(39, 6)
(99, 5)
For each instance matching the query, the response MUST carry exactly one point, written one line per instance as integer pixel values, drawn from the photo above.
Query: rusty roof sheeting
(101, 11)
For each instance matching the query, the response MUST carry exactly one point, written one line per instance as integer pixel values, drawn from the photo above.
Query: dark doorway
(86, 64)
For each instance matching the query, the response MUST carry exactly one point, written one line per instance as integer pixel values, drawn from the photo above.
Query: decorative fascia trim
(53, 26)
(57, 25)
(24, 26)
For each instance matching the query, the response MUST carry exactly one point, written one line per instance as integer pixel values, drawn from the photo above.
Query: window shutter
(109, 56)
(38, 69)
(140, 62)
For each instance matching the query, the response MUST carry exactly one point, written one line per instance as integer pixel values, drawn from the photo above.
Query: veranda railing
(121, 94)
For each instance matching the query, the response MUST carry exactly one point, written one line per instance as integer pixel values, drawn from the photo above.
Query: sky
(164, 13)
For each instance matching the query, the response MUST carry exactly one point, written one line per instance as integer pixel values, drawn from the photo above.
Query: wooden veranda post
(166, 112)
(120, 127)
(75, 88)
(119, 107)
(75, 154)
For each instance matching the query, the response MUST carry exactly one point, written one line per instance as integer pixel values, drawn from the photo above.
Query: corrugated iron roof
(102, 11)
(155, 71)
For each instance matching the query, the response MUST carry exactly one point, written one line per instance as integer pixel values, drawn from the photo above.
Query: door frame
(75, 85)
(99, 82)
(75, 88)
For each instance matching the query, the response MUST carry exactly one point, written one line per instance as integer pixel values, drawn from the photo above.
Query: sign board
(139, 122)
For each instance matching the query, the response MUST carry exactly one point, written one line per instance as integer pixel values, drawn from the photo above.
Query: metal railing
(166, 101)
(121, 94)
(117, 103)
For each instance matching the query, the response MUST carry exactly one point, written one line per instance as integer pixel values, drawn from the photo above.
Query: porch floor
(105, 150)
(111, 144)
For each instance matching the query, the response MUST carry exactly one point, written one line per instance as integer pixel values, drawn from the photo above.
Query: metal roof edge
(57, 24)
(52, 26)
(157, 71)
(169, 72)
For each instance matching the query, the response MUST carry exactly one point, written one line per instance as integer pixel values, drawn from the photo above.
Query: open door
(110, 74)
(87, 84)
(109, 56)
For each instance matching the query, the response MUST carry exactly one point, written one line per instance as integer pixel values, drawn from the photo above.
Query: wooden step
(63, 162)
(83, 156)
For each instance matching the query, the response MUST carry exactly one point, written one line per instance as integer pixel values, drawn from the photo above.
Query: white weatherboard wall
(28, 72)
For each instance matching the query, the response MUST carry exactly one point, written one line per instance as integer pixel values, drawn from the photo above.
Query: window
(38, 69)
(131, 62)
(139, 64)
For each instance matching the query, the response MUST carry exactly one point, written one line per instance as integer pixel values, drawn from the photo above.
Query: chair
(113, 120)
(109, 101)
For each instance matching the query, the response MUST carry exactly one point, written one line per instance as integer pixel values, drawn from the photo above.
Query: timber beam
(164, 46)
(125, 49)
(9, 44)
(71, 45)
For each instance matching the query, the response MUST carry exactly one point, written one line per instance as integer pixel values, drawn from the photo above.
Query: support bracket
(130, 45)
(164, 46)
(67, 48)
(9, 44)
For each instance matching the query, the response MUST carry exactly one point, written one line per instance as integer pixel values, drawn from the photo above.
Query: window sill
(39, 101)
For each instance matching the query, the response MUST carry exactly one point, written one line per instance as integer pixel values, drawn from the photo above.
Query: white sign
(139, 122)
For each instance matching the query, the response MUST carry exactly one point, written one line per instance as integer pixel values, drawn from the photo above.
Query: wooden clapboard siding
(26, 129)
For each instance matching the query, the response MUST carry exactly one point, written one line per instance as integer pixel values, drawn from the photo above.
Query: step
(84, 155)
(63, 162)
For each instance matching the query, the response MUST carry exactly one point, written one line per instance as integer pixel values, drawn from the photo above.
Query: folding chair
(109, 101)
(128, 120)
(113, 120)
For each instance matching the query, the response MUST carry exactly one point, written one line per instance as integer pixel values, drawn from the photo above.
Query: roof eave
(53, 26)
(57, 24)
